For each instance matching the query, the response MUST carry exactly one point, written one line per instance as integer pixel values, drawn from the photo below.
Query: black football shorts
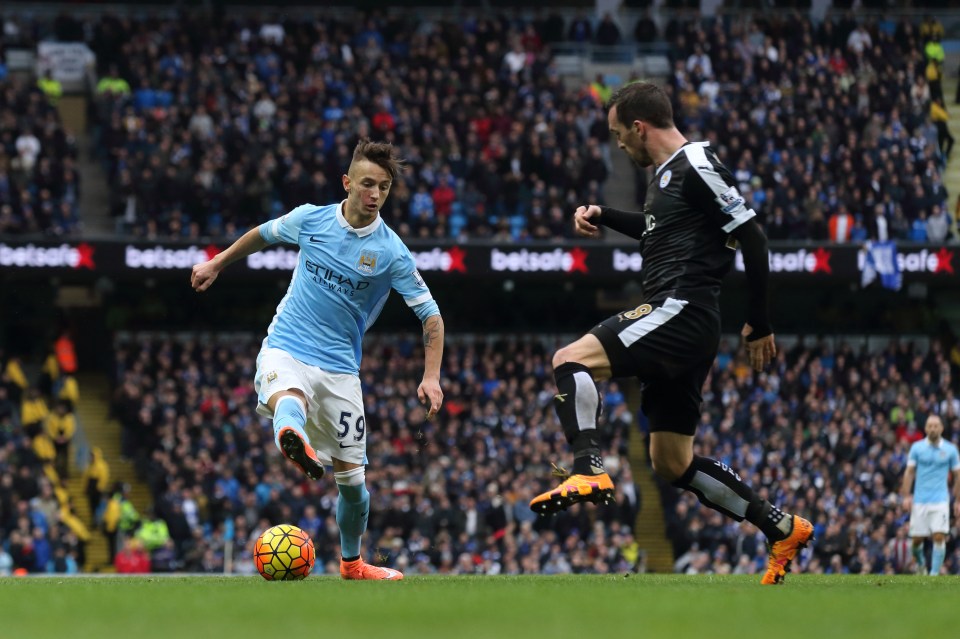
(670, 346)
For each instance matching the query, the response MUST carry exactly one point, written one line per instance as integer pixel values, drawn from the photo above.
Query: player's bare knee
(669, 467)
(290, 392)
(296, 392)
(563, 356)
(340, 466)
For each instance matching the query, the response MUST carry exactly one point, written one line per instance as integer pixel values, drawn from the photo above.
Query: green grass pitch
(582, 607)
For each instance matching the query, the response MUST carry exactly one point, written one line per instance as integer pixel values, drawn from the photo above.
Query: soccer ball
(284, 553)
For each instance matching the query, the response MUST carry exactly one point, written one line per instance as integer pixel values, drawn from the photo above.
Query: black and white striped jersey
(692, 206)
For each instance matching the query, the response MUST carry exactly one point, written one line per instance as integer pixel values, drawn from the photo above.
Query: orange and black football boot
(300, 453)
(783, 552)
(574, 489)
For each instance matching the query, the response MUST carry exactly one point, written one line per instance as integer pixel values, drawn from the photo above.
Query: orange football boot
(574, 489)
(301, 454)
(359, 569)
(782, 552)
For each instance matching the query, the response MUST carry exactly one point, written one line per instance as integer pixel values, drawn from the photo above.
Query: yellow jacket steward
(61, 426)
(97, 470)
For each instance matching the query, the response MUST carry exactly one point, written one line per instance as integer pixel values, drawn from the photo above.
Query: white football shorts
(335, 424)
(927, 519)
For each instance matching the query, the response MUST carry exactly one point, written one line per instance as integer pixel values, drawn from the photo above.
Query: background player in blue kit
(308, 368)
(931, 462)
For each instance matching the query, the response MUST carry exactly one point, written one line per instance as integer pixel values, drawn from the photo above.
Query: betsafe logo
(527, 261)
(446, 261)
(801, 261)
(921, 261)
(279, 259)
(627, 261)
(159, 257)
(62, 256)
(925, 261)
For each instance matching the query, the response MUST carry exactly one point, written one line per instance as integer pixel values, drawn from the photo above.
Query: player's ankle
(587, 459)
(588, 463)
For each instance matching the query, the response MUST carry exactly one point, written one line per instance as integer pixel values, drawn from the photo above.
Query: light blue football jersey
(934, 464)
(339, 286)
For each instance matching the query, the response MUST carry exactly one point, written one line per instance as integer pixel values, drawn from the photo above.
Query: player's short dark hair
(381, 154)
(642, 101)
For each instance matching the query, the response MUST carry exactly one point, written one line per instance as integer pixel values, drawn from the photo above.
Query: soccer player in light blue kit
(931, 461)
(307, 376)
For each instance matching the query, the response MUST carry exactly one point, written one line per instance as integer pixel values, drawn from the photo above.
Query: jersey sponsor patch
(419, 280)
(730, 200)
(367, 262)
(665, 178)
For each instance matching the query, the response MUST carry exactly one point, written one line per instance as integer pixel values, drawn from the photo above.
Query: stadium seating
(449, 495)
(825, 433)
(826, 127)
(39, 528)
(214, 133)
(210, 124)
(39, 181)
(224, 123)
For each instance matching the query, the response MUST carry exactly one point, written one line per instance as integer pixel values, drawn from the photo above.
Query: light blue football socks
(289, 412)
(919, 558)
(937, 556)
(353, 510)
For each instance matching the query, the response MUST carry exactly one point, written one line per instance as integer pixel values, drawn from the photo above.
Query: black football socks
(717, 485)
(578, 407)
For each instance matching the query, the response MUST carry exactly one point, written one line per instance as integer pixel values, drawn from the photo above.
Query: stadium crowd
(449, 495)
(834, 130)
(40, 530)
(824, 433)
(209, 124)
(39, 180)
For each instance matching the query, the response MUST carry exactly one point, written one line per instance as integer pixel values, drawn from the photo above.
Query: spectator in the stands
(608, 33)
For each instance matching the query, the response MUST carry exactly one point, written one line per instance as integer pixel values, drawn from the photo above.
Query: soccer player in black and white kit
(692, 220)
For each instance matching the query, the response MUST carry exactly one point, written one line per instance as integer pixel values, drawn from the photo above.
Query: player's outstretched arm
(429, 391)
(205, 273)
(757, 332)
(588, 219)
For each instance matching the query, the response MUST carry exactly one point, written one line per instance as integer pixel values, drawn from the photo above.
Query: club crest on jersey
(271, 377)
(367, 262)
(665, 178)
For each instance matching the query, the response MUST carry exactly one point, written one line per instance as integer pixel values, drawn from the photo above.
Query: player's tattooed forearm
(432, 331)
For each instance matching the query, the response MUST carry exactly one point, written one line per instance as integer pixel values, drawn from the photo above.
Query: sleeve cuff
(268, 231)
(748, 214)
(420, 299)
(426, 309)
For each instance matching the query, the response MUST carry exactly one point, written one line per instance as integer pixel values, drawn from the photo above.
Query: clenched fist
(584, 221)
(203, 275)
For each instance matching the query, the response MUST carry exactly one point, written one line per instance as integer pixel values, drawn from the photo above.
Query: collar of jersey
(363, 232)
(677, 152)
